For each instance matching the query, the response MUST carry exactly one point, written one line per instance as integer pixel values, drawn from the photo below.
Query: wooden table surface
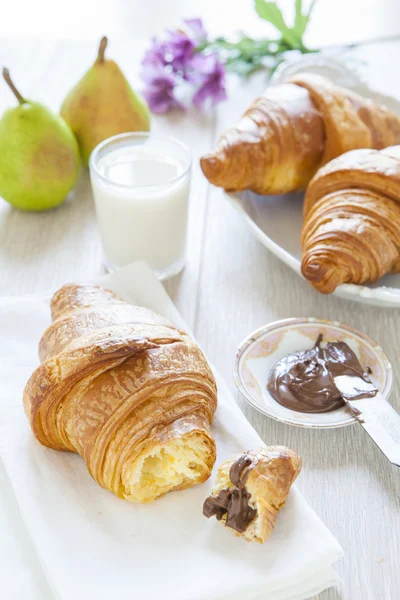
(231, 284)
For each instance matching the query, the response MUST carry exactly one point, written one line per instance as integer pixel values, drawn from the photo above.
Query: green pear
(39, 158)
(103, 104)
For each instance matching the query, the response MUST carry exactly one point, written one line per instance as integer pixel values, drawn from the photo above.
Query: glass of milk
(140, 185)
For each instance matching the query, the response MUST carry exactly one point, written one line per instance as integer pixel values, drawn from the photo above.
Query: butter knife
(374, 413)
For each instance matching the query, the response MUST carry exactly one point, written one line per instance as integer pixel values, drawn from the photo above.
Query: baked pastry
(251, 489)
(293, 129)
(128, 391)
(351, 228)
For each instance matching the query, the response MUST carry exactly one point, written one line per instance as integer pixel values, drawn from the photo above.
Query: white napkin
(93, 545)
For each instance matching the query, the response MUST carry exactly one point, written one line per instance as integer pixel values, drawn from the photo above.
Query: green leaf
(242, 67)
(292, 36)
(246, 54)
(245, 45)
(270, 12)
(301, 21)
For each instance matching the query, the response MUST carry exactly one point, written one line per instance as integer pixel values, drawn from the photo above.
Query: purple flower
(175, 63)
(179, 50)
(196, 28)
(155, 55)
(159, 90)
(210, 73)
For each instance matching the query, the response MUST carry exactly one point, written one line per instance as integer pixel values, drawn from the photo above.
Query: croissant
(292, 130)
(351, 229)
(125, 389)
(250, 490)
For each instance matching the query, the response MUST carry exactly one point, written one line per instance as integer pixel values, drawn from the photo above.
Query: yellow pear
(39, 157)
(103, 104)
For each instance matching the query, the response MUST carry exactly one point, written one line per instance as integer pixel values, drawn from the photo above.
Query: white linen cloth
(92, 545)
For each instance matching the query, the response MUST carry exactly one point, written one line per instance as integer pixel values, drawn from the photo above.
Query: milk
(141, 193)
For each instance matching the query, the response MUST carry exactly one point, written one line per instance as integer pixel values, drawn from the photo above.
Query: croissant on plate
(293, 129)
(128, 391)
(251, 489)
(351, 228)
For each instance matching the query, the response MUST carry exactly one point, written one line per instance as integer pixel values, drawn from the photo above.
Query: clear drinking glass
(141, 184)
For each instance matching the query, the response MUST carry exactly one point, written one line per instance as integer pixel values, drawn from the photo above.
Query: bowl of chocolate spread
(286, 370)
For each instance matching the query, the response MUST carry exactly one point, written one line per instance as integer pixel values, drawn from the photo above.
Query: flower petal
(196, 27)
(212, 87)
(179, 50)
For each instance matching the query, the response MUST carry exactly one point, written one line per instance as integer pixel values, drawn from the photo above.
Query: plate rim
(386, 296)
(281, 323)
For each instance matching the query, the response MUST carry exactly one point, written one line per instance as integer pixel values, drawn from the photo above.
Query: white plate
(261, 350)
(276, 220)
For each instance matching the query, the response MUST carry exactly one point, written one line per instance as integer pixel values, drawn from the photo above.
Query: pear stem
(102, 49)
(8, 80)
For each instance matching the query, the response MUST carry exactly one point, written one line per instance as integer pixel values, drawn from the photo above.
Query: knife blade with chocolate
(325, 378)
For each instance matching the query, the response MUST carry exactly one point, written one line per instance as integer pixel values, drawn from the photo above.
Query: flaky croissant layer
(267, 477)
(351, 228)
(121, 386)
(293, 129)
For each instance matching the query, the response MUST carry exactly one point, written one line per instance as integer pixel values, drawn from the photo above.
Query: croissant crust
(124, 388)
(351, 228)
(269, 481)
(292, 130)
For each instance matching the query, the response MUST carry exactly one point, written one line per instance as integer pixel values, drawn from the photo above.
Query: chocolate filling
(304, 381)
(234, 502)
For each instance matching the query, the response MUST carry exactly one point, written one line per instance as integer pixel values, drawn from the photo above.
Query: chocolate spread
(304, 381)
(234, 502)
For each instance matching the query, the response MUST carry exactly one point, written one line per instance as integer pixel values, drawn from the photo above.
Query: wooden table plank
(231, 284)
(346, 479)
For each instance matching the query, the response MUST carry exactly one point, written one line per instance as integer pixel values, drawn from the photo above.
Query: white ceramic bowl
(260, 351)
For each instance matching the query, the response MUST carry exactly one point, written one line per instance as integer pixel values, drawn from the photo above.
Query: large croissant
(351, 229)
(125, 389)
(293, 129)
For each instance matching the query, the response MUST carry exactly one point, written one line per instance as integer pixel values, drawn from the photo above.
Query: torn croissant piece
(351, 227)
(293, 129)
(125, 389)
(251, 489)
